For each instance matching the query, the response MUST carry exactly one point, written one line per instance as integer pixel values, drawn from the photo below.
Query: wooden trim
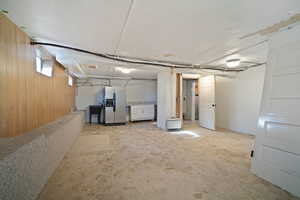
(197, 87)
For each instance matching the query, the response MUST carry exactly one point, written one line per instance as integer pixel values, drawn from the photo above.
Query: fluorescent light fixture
(233, 62)
(125, 70)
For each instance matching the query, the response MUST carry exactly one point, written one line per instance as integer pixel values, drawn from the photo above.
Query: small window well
(70, 80)
(43, 66)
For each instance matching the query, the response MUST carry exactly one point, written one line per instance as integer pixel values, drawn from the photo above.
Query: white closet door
(277, 145)
(207, 104)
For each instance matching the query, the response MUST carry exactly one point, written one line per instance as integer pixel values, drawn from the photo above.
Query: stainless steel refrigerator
(114, 105)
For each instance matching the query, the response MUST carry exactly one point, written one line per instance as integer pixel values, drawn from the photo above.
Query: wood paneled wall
(28, 99)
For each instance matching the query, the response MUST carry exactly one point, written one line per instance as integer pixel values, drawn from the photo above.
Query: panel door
(207, 102)
(178, 94)
(277, 145)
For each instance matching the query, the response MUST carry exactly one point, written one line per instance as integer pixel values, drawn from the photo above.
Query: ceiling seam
(122, 32)
(124, 27)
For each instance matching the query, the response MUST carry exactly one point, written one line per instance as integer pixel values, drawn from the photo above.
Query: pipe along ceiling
(164, 64)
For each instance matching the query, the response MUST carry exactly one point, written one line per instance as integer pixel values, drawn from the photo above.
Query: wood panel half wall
(28, 99)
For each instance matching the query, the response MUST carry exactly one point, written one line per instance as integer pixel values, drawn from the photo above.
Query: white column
(166, 97)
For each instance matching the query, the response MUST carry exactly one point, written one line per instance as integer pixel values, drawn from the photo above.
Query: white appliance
(174, 124)
(207, 102)
(141, 112)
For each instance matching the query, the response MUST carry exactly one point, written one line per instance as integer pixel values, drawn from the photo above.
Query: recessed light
(233, 62)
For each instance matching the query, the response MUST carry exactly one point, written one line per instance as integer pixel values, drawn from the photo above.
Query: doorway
(198, 100)
(190, 99)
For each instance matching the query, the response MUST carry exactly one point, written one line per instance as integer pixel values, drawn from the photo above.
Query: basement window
(38, 62)
(70, 80)
(43, 66)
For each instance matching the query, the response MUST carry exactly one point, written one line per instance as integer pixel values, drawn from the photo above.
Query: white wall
(238, 100)
(143, 91)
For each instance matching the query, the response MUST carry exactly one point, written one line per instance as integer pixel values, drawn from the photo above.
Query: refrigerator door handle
(114, 102)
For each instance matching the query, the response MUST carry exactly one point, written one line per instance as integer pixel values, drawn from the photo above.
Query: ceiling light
(233, 62)
(125, 70)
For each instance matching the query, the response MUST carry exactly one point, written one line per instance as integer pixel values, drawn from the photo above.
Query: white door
(207, 104)
(277, 145)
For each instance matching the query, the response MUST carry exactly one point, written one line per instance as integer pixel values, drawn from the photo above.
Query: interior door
(277, 145)
(207, 104)
(120, 105)
(178, 95)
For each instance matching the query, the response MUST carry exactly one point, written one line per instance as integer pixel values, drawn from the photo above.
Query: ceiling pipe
(108, 77)
(107, 56)
(256, 65)
(148, 62)
(116, 78)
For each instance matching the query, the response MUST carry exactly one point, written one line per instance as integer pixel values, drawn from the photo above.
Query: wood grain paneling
(178, 94)
(196, 87)
(28, 99)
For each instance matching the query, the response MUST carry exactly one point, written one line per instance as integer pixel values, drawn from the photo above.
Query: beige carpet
(140, 162)
(89, 144)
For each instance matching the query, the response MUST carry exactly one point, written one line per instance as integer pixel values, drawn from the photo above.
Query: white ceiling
(191, 31)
